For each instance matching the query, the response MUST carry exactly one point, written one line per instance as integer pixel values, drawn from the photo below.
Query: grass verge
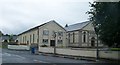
(115, 49)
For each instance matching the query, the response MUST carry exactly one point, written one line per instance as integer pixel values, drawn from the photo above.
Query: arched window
(33, 37)
(93, 38)
(23, 39)
(30, 38)
(73, 37)
(84, 37)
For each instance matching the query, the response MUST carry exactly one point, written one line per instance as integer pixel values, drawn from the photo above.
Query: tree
(11, 38)
(1, 33)
(106, 17)
(66, 25)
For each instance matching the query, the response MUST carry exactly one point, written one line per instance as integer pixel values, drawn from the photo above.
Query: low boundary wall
(19, 47)
(82, 52)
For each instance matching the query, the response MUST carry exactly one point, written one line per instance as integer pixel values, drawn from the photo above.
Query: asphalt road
(13, 56)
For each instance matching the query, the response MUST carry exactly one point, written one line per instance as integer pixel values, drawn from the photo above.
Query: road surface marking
(7, 54)
(20, 56)
(40, 61)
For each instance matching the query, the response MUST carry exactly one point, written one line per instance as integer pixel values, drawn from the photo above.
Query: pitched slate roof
(40, 26)
(32, 29)
(77, 26)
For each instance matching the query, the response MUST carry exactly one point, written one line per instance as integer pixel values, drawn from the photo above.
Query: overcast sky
(17, 16)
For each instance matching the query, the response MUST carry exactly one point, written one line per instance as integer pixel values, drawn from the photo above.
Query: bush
(6, 41)
(4, 45)
(44, 46)
(23, 44)
(13, 44)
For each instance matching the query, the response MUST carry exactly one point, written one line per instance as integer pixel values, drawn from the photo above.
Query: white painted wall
(68, 51)
(89, 27)
(19, 47)
(51, 26)
(46, 49)
(27, 35)
(85, 53)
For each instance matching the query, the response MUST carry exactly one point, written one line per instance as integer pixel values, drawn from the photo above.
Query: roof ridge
(79, 23)
(40, 26)
(35, 27)
(77, 26)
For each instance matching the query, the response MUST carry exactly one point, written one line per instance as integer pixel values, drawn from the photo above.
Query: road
(13, 56)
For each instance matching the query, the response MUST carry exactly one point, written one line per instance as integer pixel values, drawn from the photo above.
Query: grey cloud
(20, 16)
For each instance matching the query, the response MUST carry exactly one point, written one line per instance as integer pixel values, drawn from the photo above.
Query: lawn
(0, 46)
(115, 49)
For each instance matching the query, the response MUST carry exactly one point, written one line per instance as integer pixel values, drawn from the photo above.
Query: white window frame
(45, 32)
(60, 41)
(45, 41)
(86, 37)
(60, 33)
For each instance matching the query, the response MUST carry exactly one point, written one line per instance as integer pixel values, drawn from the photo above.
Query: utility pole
(55, 37)
(97, 55)
(97, 49)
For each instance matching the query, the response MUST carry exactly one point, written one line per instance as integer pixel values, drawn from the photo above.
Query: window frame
(60, 41)
(45, 32)
(45, 41)
(60, 33)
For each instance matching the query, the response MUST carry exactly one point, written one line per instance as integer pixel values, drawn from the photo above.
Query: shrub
(6, 41)
(44, 46)
(13, 44)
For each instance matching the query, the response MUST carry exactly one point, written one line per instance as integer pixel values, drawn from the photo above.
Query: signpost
(55, 37)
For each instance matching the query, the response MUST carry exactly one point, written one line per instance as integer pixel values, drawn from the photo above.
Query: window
(60, 41)
(20, 39)
(73, 37)
(60, 33)
(45, 32)
(33, 37)
(54, 34)
(84, 37)
(69, 37)
(93, 41)
(68, 34)
(45, 41)
(30, 38)
(23, 39)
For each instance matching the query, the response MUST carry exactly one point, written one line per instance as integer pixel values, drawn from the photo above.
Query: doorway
(52, 42)
(93, 41)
